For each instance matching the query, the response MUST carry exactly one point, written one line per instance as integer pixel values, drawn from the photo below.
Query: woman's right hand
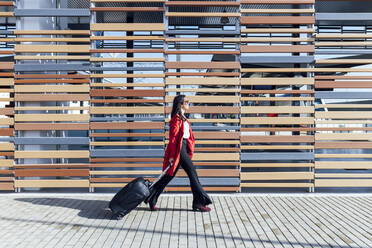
(171, 160)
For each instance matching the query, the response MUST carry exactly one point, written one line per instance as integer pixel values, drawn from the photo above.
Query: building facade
(280, 92)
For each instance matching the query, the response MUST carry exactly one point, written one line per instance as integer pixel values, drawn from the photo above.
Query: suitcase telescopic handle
(161, 175)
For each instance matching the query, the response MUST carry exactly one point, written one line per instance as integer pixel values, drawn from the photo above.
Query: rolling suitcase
(129, 197)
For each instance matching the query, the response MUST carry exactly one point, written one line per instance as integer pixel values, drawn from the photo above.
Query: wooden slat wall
(276, 138)
(343, 110)
(278, 98)
(7, 99)
(127, 106)
(52, 107)
(210, 80)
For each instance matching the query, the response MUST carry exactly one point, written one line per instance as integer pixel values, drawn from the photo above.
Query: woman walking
(179, 152)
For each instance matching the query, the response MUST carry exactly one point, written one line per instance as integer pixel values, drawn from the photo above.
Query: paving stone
(236, 220)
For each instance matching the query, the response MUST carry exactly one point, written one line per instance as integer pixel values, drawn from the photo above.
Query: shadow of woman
(90, 209)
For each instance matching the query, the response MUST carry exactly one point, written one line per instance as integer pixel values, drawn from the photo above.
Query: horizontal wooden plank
(127, 143)
(123, 92)
(202, 14)
(51, 117)
(43, 39)
(342, 36)
(208, 99)
(6, 65)
(277, 109)
(276, 120)
(277, 49)
(229, 40)
(276, 175)
(51, 76)
(202, 3)
(202, 81)
(343, 115)
(51, 172)
(277, 81)
(136, 37)
(343, 136)
(26, 57)
(209, 90)
(346, 155)
(342, 175)
(126, 125)
(6, 14)
(127, 84)
(138, 75)
(6, 162)
(6, 111)
(59, 108)
(342, 44)
(126, 101)
(6, 186)
(126, 1)
(4, 171)
(277, 138)
(342, 84)
(51, 48)
(343, 145)
(343, 122)
(278, 1)
(306, 70)
(59, 32)
(276, 39)
(51, 166)
(51, 88)
(209, 110)
(6, 121)
(127, 134)
(201, 52)
(277, 92)
(127, 27)
(203, 74)
(206, 188)
(127, 110)
(277, 20)
(51, 154)
(343, 61)
(278, 30)
(343, 165)
(214, 142)
(6, 147)
(276, 185)
(203, 65)
(7, 3)
(259, 165)
(107, 50)
(277, 129)
(95, 59)
(51, 183)
(51, 97)
(272, 147)
(6, 81)
(343, 183)
(51, 126)
(277, 11)
(216, 156)
(128, 9)
(6, 132)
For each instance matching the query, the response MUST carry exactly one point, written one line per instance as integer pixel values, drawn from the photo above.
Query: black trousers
(200, 196)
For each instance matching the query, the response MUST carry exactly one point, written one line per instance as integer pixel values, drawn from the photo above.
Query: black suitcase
(129, 197)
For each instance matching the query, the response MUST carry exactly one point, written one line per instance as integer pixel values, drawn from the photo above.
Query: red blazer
(176, 130)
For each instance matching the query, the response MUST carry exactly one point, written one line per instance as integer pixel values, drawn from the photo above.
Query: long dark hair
(176, 108)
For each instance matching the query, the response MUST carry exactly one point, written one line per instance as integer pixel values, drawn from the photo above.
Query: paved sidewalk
(236, 220)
